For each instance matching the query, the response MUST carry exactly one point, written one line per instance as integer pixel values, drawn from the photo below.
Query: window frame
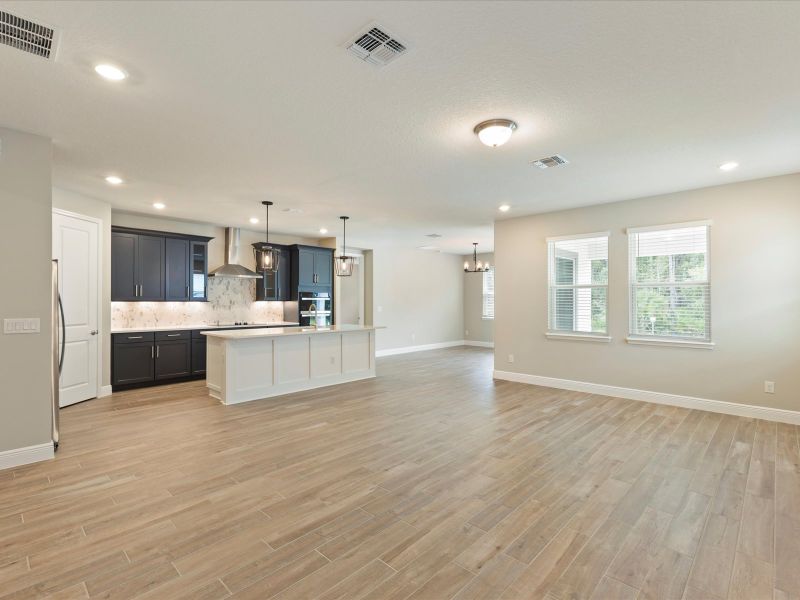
(484, 294)
(552, 253)
(674, 340)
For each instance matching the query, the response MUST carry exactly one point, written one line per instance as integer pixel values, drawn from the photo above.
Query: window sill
(487, 318)
(579, 337)
(673, 343)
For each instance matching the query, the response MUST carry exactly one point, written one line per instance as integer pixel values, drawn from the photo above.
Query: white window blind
(487, 312)
(670, 295)
(578, 284)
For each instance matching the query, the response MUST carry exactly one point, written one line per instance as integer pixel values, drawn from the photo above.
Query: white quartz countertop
(204, 326)
(246, 334)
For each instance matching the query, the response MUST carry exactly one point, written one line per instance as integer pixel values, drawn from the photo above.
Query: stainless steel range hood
(232, 268)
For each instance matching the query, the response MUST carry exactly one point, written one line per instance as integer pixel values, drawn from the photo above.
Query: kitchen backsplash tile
(229, 300)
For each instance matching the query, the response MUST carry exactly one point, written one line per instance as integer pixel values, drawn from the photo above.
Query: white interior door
(75, 246)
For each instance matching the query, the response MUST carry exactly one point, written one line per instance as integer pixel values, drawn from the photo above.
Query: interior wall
(417, 295)
(91, 207)
(476, 328)
(755, 296)
(25, 276)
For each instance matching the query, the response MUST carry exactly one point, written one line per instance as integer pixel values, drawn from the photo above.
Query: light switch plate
(32, 325)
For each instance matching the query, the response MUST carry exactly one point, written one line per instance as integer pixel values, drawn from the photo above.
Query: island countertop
(203, 326)
(246, 334)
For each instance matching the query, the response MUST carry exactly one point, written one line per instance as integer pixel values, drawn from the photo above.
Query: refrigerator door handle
(56, 359)
(62, 334)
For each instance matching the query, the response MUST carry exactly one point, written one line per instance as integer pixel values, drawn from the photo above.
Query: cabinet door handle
(187, 291)
(173, 334)
(135, 337)
(152, 350)
(157, 350)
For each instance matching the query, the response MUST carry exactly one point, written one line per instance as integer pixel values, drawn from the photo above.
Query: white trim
(479, 343)
(100, 337)
(105, 390)
(717, 406)
(578, 236)
(26, 455)
(704, 223)
(581, 337)
(423, 347)
(667, 342)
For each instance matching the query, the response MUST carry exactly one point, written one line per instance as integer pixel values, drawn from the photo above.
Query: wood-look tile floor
(431, 481)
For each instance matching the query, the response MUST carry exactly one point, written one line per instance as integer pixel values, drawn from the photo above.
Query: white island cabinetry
(252, 364)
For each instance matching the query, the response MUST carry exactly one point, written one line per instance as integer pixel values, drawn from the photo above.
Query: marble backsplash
(229, 300)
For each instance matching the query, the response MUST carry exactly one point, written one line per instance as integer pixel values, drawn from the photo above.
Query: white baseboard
(479, 344)
(407, 349)
(104, 391)
(717, 406)
(27, 455)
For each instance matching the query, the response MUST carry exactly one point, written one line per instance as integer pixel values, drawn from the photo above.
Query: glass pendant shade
(268, 256)
(343, 264)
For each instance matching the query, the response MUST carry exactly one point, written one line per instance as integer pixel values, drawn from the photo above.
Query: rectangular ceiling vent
(377, 47)
(551, 161)
(27, 36)
(433, 235)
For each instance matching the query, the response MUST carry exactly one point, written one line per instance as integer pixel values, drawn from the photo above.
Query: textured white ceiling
(231, 103)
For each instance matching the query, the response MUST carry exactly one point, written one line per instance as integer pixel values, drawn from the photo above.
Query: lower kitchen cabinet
(133, 363)
(173, 359)
(199, 356)
(147, 358)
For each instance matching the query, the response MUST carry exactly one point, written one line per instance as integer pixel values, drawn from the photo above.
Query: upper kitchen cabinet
(312, 268)
(154, 265)
(275, 286)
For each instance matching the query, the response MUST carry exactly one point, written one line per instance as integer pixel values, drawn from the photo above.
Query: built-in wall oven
(315, 309)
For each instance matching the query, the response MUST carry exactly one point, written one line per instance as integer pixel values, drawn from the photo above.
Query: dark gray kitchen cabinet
(275, 286)
(173, 359)
(176, 272)
(312, 269)
(199, 348)
(153, 265)
(133, 363)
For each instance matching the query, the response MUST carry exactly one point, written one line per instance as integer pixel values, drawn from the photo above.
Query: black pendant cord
(267, 204)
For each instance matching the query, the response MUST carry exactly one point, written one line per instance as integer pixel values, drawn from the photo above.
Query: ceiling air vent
(433, 235)
(26, 35)
(376, 46)
(551, 161)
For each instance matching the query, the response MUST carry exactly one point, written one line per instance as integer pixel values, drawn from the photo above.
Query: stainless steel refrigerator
(57, 327)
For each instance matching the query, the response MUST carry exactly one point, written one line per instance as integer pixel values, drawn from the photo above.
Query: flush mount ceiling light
(495, 132)
(323, 231)
(344, 263)
(114, 180)
(254, 220)
(159, 205)
(266, 256)
(728, 166)
(504, 208)
(477, 266)
(110, 72)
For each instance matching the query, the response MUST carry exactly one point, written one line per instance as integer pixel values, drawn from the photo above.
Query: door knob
(93, 332)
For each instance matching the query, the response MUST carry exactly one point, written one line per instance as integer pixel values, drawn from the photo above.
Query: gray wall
(417, 295)
(25, 249)
(91, 207)
(476, 328)
(755, 296)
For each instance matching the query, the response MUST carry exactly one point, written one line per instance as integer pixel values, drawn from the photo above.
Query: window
(487, 312)
(578, 284)
(670, 296)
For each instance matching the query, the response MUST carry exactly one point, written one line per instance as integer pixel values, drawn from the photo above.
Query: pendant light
(268, 256)
(343, 263)
(477, 266)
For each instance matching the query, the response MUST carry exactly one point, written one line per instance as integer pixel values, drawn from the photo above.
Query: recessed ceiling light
(728, 166)
(114, 180)
(495, 132)
(254, 220)
(159, 205)
(323, 231)
(504, 208)
(110, 72)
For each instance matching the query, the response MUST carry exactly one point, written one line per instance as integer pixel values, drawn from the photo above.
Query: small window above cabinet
(157, 265)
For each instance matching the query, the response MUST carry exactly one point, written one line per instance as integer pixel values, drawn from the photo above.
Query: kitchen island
(251, 364)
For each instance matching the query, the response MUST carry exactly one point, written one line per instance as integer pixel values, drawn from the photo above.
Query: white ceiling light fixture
(323, 231)
(477, 265)
(159, 205)
(110, 72)
(504, 208)
(254, 220)
(729, 166)
(114, 180)
(495, 132)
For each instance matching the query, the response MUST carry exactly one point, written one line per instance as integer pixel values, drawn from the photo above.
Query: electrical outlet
(769, 387)
(511, 358)
(466, 332)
